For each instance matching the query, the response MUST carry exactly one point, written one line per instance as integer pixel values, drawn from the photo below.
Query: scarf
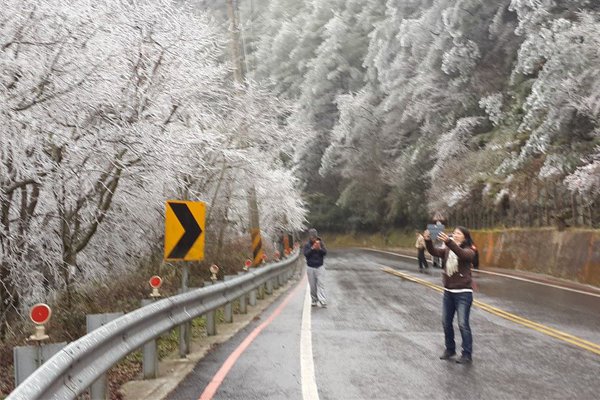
(451, 264)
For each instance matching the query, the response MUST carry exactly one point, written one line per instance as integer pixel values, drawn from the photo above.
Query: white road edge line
(498, 274)
(307, 366)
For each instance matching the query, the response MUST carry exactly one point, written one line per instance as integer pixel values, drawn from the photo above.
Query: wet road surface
(381, 336)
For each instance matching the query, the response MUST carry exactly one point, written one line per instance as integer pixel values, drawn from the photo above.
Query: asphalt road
(381, 336)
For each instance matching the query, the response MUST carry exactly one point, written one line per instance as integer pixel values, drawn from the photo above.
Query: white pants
(316, 281)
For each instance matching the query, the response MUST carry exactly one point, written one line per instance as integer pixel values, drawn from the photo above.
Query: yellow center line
(555, 333)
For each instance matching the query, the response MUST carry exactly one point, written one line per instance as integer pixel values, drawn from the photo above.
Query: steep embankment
(571, 254)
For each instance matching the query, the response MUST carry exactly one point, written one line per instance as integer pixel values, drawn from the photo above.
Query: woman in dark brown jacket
(457, 257)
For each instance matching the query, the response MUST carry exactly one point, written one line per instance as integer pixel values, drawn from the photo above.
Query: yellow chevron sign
(184, 230)
(257, 251)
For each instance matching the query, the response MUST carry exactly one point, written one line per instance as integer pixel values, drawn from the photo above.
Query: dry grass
(392, 240)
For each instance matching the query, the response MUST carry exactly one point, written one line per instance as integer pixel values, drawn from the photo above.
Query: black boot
(447, 354)
(464, 359)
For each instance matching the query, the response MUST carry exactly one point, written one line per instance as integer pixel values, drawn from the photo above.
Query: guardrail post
(252, 297)
(269, 287)
(185, 333)
(211, 319)
(242, 300)
(211, 323)
(94, 321)
(29, 358)
(228, 309)
(149, 353)
(260, 292)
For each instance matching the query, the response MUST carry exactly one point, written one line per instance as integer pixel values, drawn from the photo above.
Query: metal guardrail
(73, 369)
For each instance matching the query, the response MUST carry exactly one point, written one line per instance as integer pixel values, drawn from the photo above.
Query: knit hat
(312, 232)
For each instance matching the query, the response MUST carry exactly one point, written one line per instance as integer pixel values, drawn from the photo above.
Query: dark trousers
(459, 303)
(422, 260)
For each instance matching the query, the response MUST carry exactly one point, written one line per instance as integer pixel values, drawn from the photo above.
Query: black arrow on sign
(191, 227)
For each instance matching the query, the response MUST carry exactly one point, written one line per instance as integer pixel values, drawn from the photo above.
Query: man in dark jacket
(314, 250)
(475, 256)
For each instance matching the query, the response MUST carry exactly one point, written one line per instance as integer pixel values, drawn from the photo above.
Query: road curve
(381, 336)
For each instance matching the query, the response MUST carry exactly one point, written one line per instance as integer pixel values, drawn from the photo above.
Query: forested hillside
(485, 110)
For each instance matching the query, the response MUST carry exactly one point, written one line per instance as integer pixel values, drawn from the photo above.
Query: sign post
(184, 241)
(39, 314)
(29, 358)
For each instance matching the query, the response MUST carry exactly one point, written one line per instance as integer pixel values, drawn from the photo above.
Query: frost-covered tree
(561, 112)
(492, 105)
(450, 175)
(336, 69)
(586, 179)
(107, 110)
(278, 37)
(506, 88)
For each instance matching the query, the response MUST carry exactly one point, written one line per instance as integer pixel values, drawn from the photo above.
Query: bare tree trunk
(69, 262)
(234, 43)
(529, 207)
(9, 301)
(239, 74)
(222, 227)
(582, 210)
(546, 208)
(574, 208)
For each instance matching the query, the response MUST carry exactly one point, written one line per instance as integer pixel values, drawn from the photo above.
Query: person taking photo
(457, 256)
(314, 250)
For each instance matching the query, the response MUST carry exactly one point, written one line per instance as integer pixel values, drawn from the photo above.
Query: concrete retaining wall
(571, 254)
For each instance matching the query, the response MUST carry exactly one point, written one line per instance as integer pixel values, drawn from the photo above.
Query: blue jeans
(461, 304)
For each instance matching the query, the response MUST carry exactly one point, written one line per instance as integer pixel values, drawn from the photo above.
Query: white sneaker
(314, 303)
(322, 305)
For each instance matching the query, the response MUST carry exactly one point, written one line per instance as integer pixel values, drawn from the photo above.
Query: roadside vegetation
(390, 240)
(119, 293)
